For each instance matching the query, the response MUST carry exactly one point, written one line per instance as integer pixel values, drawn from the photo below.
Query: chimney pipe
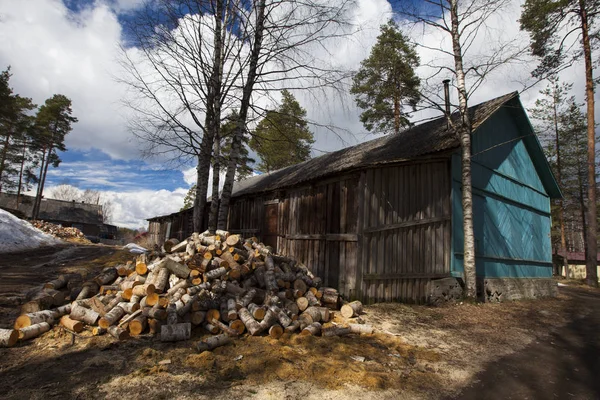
(446, 83)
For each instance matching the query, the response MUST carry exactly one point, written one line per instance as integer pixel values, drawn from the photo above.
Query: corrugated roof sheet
(427, 138)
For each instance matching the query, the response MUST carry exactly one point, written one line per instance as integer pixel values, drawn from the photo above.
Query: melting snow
(17, 234)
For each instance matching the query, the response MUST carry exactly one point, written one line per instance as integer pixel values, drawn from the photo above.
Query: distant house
(382, 220)
(575, 267)
(88, 218)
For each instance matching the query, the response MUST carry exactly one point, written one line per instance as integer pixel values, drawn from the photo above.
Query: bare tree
(65, 192)
(176, 77)
(462, 22)
(199, 58)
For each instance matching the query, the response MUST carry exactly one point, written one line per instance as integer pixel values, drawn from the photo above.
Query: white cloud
(52, 50)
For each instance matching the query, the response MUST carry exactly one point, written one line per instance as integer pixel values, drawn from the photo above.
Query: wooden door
(270, 232)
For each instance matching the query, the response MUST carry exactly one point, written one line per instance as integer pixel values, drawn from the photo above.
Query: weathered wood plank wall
(379, 234)
(405, 239)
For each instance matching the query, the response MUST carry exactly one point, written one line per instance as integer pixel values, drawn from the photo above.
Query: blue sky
(94, 169)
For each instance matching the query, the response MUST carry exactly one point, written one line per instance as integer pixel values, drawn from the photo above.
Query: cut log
(178, 269)
(112, 317)
(107, 276)
(182, 284)
(141, 268)
(225, 328)
(232, 240)
(83, 314)
(210, 328)
(161, 280)
(257, 312)
(41, 301)
(197, 317)
(168, 245)
(312, 299)
(231, 310)
(351, 310)
(275, 331)
(336, 331)
(325, 314)
(96, 305)
(213, 314)
(300, 286)
(176, 332)
(215, 273)
(251, 324)
(314, 313)
(97, 331)
(154, 326)
(282, 317)
(361, 329)
(137, 325)
(48, 316)
(57, 283)
(248, 297)
(213, 342)
(118, 333)
(313, 329)
(33, 331)
(129, 308)
(238, 326)
(172, 317)
(8, 337)
(71, 324)
(143, 290)
(302, 303)
(293, 327)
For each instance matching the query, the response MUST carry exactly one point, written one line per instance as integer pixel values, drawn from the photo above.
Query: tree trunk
(396, 112)
(236, 142)
(464, 132)
(591, 250)
(20, 173)
(38, 194)
(3, 157)
(214, 205)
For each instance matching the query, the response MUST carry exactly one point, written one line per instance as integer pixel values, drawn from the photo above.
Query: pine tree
(15, 125)
(53, 123)
(549, 24)
(561, 126)
(386, 82)
(282, 137)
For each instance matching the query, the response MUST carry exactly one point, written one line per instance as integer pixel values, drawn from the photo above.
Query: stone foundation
(507, 289)
(444, 290)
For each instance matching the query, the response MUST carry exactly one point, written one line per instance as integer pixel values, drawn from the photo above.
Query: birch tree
(202, 57)
(562, 32)
(461, 23)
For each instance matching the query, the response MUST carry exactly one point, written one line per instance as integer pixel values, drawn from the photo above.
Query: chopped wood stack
(222, 283)
(58, 230)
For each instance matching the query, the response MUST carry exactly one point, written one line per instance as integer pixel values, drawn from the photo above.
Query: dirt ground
(417, 352)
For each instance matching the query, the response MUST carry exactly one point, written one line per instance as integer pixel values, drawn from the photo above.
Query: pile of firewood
(222, 283)
(58, 230)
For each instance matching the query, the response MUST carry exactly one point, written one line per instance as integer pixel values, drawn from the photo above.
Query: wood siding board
(361, 246)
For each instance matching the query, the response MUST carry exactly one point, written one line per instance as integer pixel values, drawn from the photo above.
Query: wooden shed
(381, 220)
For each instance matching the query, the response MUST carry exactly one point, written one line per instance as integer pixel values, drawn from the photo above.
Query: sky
(72, 47)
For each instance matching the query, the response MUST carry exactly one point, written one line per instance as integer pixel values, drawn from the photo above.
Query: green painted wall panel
(511, 207)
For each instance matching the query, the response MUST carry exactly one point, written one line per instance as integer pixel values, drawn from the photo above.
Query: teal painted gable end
(512, 186)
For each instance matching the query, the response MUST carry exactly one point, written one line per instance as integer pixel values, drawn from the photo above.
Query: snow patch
(16, 234)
